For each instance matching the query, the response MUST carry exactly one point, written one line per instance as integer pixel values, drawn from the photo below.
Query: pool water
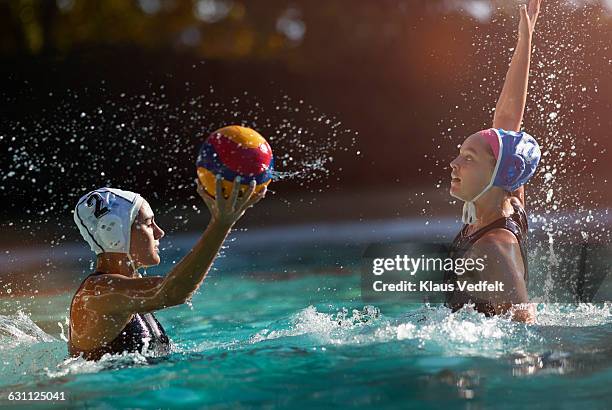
(287, 329)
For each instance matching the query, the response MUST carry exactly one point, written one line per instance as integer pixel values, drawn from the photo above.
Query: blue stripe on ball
(209, 159)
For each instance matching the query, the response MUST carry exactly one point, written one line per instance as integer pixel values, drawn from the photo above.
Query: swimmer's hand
(227, 211)
(529, 16)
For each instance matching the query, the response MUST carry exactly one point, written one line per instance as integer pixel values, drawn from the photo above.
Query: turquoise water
(286, 328)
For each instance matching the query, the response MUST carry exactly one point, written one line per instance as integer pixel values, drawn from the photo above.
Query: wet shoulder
(88, 287)
(90, 282)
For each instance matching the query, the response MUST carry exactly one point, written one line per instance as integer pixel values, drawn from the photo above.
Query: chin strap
(469, 213)
(132, 264)
(469, 207)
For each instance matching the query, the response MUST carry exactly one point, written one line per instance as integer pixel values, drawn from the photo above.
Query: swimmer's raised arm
(187, 276)
(511, 104)
(112, 294)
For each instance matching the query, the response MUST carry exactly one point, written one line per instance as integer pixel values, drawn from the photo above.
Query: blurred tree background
(412, 78)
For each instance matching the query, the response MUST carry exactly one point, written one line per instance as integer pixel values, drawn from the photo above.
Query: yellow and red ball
(235, 151)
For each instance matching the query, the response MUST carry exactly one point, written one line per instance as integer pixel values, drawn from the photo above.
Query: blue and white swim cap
(518, 155)
(105, 218)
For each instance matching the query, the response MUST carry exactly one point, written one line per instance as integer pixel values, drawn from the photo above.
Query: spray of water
(136, 141)
(147, 144)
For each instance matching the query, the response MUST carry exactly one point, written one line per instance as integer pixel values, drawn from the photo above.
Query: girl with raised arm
(112, 311)
(489, 175)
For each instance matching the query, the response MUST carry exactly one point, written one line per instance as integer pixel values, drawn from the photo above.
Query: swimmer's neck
(116, 263)
(491, 207)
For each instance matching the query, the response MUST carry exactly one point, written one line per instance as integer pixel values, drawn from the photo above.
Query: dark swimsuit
(133, 337)
(515, 223)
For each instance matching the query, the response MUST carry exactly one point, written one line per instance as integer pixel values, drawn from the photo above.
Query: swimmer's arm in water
(114, 294)
(511, 104)
(504, 264)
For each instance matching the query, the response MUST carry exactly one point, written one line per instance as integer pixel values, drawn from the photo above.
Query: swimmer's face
(144, 242)
(471, 171)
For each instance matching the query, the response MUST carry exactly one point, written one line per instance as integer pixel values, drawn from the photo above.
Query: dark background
(401, 82)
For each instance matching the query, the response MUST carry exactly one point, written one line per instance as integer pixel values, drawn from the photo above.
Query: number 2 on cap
(99, 211)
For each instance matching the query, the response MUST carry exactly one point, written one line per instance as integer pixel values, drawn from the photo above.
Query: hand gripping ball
(235, 151)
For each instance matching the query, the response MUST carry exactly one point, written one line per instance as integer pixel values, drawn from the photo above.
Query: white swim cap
(105, 218)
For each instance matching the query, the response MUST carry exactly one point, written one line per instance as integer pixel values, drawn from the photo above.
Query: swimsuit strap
(515, 223)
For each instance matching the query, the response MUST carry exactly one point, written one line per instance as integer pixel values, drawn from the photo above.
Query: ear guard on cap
(510, 172)
(105, 218)
(110, 231)
(519, 158)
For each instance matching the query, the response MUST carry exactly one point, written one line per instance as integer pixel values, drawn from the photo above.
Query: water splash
(134, 141)
(566, 339)
(306, 171)
(323, 325)
(574, 315)
(147, 144)
(78, 365)
(433, 329)
(19, 329)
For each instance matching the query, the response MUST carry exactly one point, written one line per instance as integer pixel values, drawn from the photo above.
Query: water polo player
(111, 310)
(488, 175)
